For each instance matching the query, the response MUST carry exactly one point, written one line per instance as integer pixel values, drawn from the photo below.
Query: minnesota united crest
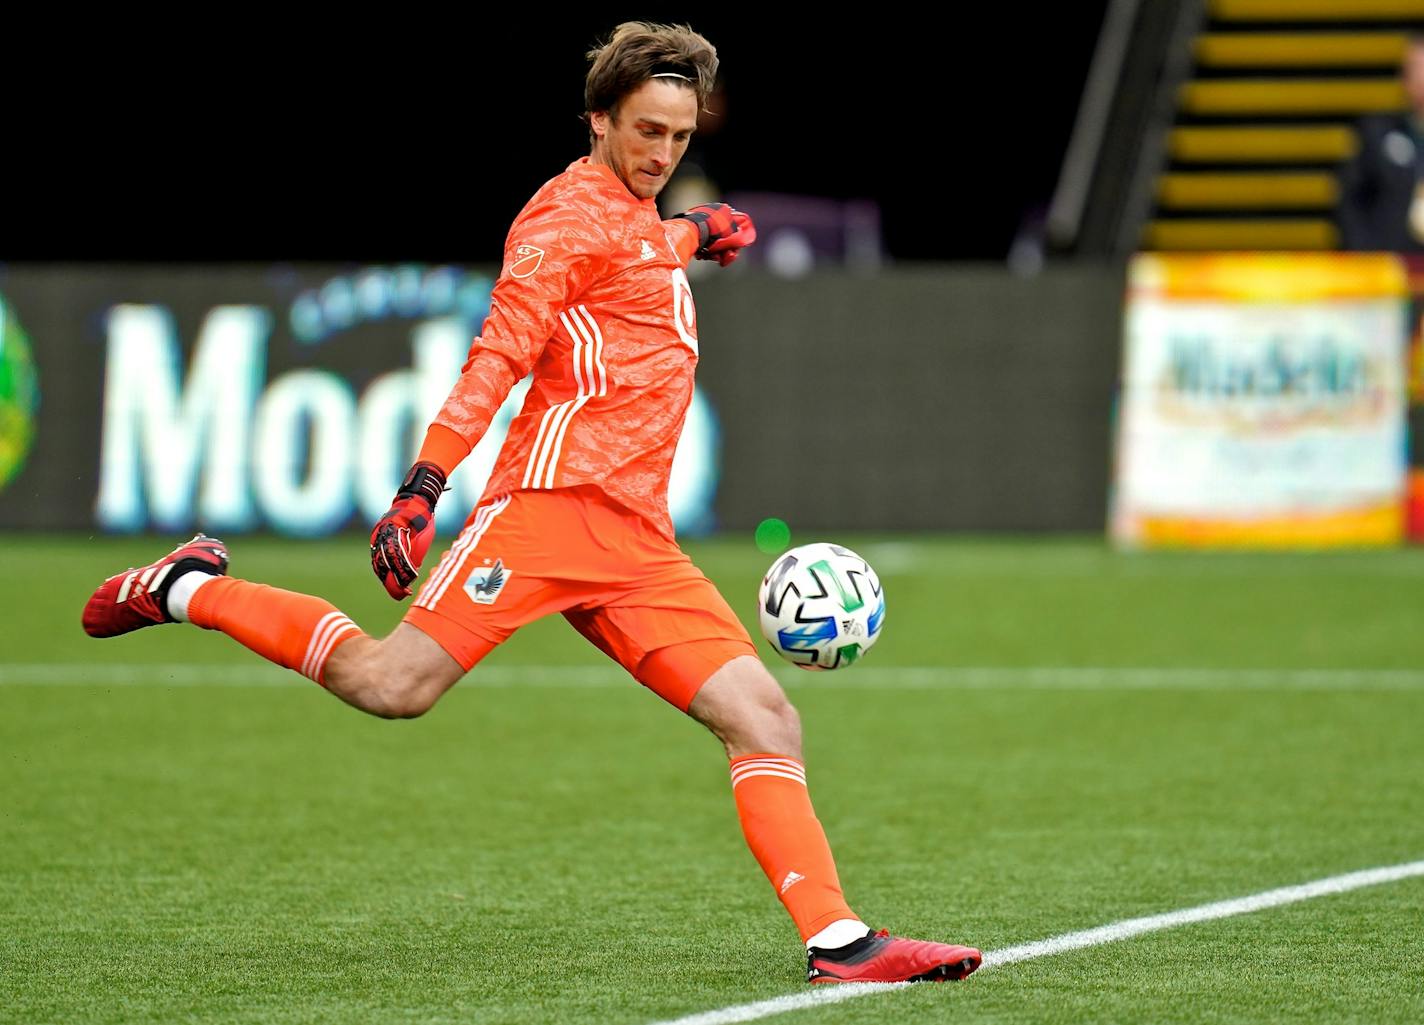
(485, 582)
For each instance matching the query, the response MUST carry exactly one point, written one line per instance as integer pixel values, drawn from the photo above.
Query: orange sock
(297, 631)
(787, 839)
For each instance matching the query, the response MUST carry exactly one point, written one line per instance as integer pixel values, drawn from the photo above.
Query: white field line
(1127, 678)
(1071, 941)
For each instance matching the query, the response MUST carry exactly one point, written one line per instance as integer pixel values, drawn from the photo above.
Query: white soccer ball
(821, 606)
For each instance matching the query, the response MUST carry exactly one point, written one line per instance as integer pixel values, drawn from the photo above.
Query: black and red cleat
(881, 957)
(137, 598)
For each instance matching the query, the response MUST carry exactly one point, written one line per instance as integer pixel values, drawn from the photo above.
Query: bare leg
(395, 677)
(746, 709)
(744, 706)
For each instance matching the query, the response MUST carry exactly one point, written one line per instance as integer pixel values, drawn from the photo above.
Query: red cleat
(881, 957)
(137, 598)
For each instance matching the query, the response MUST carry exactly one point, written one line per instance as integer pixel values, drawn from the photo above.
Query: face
(648, 135)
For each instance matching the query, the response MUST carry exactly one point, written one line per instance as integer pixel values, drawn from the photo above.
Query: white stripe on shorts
(454, 559)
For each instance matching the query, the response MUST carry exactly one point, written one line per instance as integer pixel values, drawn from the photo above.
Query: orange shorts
(620, 583)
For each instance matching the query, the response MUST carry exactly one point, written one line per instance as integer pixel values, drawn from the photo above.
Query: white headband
(672, 74)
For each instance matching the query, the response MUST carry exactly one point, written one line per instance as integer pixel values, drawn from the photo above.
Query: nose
(662, 155)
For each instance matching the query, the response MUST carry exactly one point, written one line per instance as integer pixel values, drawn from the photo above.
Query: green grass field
(1049, 737)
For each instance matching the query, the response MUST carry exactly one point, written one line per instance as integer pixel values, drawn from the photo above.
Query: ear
(598, 121)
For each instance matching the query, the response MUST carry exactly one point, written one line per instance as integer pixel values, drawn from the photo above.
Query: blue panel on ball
(876, 618)
(807, 637)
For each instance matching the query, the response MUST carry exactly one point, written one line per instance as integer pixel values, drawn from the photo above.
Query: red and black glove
(721, 231)
(402, 536)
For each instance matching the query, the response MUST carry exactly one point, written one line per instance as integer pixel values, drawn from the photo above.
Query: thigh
(672, 631)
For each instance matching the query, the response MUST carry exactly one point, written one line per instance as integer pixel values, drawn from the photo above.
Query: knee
(749, 712)
(779, 714)
(768, 726)
(781, 729)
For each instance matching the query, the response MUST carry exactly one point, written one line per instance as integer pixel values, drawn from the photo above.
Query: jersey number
(684, 311)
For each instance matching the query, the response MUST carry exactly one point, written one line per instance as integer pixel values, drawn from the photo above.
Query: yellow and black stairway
(1265, 118)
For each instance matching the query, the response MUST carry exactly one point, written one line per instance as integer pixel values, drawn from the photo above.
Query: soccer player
(593, 299)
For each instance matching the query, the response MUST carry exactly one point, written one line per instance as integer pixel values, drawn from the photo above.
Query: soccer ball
(821, 606)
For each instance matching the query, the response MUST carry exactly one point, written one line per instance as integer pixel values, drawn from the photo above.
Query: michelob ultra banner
(1263, 401)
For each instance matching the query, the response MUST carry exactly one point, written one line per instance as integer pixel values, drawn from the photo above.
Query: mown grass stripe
(862, 677)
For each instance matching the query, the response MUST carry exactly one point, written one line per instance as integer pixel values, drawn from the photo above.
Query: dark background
(418, 135)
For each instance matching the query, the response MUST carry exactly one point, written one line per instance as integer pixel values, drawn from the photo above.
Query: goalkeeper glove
(402, 536)
(721, 231)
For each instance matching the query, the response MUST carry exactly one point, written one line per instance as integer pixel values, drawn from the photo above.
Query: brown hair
(636, 52)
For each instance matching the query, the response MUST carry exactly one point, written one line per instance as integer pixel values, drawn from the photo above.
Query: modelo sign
(216, 441)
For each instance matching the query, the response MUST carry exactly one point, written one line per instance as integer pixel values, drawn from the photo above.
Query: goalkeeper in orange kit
(592, 300)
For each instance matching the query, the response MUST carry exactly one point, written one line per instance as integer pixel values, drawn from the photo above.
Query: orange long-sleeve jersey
(593, 297)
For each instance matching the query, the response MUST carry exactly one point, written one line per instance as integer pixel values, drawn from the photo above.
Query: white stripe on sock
(323, 625)
(784, 763)
(318, 665)
(737, 780)
(795, 770)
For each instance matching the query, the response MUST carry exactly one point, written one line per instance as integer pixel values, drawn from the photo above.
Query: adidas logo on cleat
(140, 582)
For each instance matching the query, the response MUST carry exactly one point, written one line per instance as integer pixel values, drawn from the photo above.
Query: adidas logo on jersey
(485, 582)
(648, 252)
